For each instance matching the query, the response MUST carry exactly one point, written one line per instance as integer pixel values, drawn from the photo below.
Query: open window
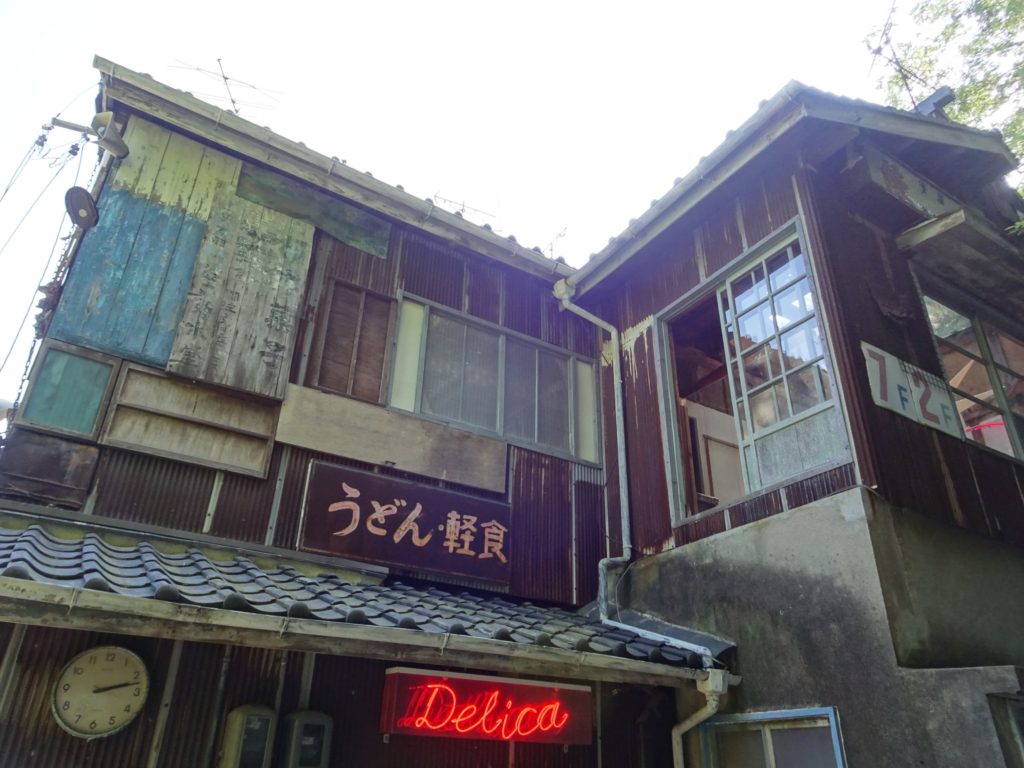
(752, 394)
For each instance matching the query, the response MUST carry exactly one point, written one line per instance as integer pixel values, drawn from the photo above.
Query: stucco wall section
(800, 595)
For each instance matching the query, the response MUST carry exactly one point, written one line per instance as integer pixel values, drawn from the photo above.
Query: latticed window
(464, 371)
(984, 367)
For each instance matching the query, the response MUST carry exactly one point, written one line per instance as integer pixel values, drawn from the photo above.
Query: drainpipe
(563, 292)
(713, 687)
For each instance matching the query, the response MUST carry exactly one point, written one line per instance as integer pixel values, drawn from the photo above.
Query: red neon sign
(425, 703)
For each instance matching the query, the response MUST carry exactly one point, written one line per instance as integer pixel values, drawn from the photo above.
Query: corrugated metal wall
(243, 506)
(148, 489)
(31, 737)
(915, 467)
(591, 529)
(192, 722)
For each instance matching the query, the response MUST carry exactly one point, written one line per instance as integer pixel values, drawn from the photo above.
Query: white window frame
(766, 722)
(571, 360)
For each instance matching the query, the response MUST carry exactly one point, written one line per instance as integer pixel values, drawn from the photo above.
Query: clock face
(100, 691)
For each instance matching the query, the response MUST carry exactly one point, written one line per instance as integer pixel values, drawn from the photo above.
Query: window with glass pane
(984, 367)
(800, 742)
(471, 373)
(772, 336)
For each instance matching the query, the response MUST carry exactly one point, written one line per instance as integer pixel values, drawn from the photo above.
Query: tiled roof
(86, 560)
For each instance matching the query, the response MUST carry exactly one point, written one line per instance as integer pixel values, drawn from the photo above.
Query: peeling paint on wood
(240, 316)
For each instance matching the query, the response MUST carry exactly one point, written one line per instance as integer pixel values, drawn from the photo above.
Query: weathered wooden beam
(29, 602)
(878, 172)
(225, 129)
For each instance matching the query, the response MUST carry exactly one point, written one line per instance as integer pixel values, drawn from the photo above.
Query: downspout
(563, 292)
(713, 687)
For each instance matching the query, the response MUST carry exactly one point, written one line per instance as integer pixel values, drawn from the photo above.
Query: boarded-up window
(351, 342)
(69, 390)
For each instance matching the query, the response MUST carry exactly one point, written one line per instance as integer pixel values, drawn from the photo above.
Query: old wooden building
(309, 471)
(823, 373)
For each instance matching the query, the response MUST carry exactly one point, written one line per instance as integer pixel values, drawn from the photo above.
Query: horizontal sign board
(430, 703)
(911, 392)
(382, 519)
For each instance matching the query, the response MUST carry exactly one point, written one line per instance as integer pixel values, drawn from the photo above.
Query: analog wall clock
(100, 691)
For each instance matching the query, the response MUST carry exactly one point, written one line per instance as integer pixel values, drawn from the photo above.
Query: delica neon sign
(426, 703)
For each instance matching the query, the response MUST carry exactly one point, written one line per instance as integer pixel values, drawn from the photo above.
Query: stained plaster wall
(800, 595)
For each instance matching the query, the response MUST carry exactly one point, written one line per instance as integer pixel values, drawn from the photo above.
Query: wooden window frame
(503, 333)
(312, 377)
(49, 344)
(978, 319)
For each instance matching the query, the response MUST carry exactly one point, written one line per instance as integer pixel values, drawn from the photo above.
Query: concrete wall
(800, 595)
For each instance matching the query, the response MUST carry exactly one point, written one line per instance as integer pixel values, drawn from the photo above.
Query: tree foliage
(974, 46)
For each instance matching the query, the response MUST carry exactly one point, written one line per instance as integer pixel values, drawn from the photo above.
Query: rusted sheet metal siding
(648, 490)
(914, 467)
(431, 270)
(523, 304)
(344, 262)
(192, 721)
(350, 692)
(31, 737)
(47, 468)
(542, 526)
(484, 290)
(720, 237)
(243, 506)
(591, 530)
(252, 678)
(148, 489)
(819, 486)
(611, 461)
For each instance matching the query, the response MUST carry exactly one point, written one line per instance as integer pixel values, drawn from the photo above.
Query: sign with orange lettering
(388, 520)
(428, 703)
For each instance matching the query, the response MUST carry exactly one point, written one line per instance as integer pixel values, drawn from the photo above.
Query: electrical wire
(23, 164)
(60, 228)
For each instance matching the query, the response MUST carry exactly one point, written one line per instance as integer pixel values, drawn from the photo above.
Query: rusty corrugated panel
(31, 737)
(344, 262)
(523, 297)
(554, 329)
(542, 526)
(611, 461)
(819, 486)
(584, 336)
(46, 468)
(1002, 494)
(648, 491)
(780, 197)
(720, 237)
(484, 290)
(591, 541)
(191, 717)
(252, 677)
(6, 630)
(350, 691)
(148, 489)
(243, 506)
(754, 216)
(757, 508)
(432, 270)
(695, 529)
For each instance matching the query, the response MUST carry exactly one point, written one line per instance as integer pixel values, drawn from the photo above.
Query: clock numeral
(92, 726)
(111, 656)
(112, 720)
(92, 659)
(127, 708)
(66, 705)
(137, 692)
(135, 675)
(66, 687)
(77, 718)
(77, 671)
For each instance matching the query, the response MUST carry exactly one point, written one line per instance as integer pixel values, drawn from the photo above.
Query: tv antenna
(232, 95)
(551, 246)
(461, 206)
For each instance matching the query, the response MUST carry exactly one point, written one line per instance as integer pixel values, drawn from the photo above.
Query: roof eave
(794, 103)
(143, 94)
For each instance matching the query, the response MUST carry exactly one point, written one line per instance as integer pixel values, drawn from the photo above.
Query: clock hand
(106, 688)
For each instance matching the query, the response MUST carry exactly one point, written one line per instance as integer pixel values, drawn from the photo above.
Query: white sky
(553, 117)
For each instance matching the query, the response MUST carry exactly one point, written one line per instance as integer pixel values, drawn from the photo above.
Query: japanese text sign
(428, 703)
(386, 520)
(909, 391)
